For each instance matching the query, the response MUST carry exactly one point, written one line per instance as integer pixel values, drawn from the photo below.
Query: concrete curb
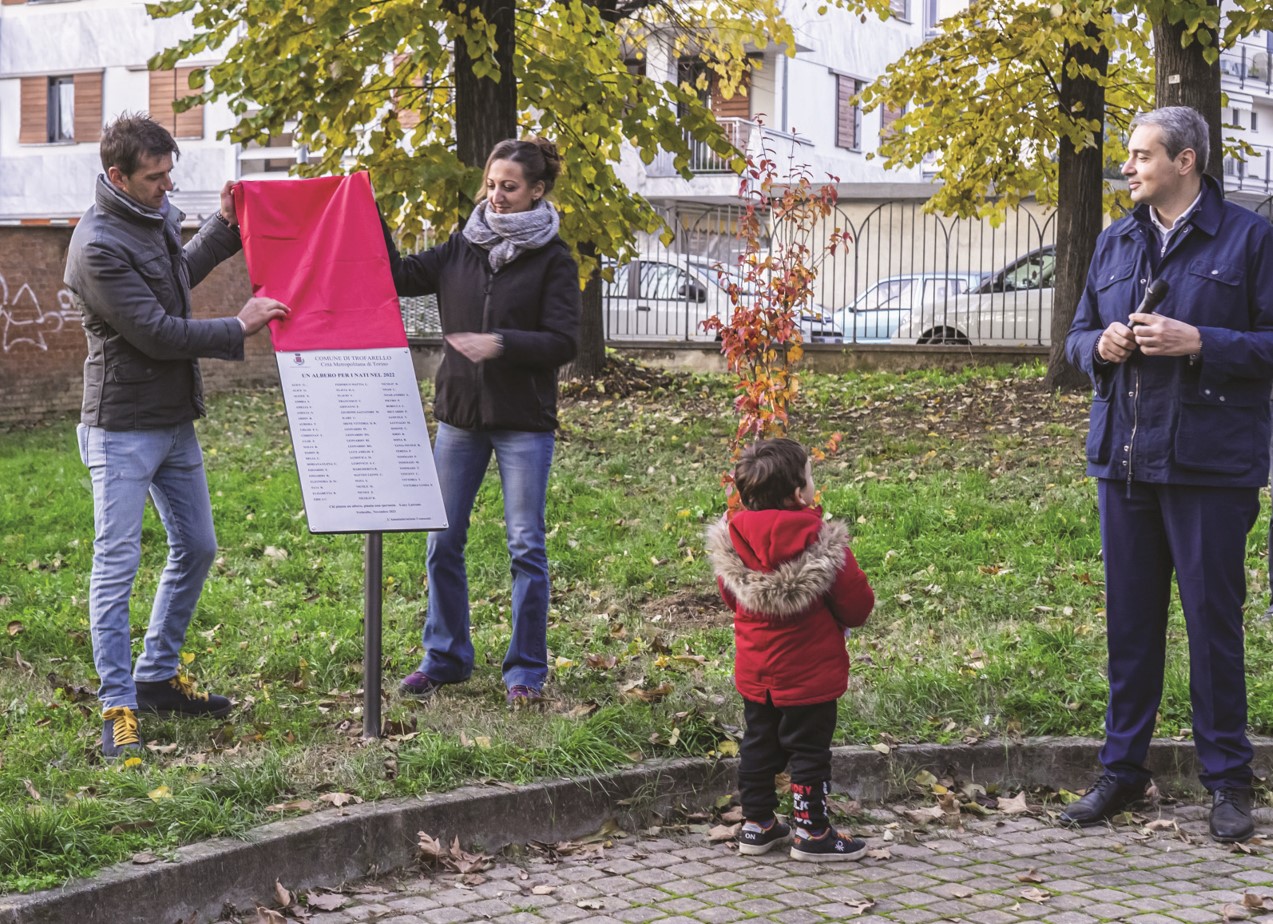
(350, 843)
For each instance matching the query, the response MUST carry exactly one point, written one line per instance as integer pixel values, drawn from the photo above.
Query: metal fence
(907, 277)
(1253, 173)
(903, 267)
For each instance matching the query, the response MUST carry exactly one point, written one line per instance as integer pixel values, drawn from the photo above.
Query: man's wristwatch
(225, 221)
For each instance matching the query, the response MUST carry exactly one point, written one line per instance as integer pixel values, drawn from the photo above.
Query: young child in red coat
(795, 588)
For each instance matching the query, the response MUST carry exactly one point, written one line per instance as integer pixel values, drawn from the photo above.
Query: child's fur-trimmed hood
(791, 585)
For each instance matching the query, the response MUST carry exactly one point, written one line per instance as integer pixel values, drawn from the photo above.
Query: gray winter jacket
(131, 280)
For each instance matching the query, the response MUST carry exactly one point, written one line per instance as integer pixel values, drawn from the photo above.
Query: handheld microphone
(1155, 292)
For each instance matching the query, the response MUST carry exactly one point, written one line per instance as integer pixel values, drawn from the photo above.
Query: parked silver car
(665, 300)
(877, 313)
(1010, 307)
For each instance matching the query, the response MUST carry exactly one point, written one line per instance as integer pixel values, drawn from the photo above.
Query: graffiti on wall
(24, 323)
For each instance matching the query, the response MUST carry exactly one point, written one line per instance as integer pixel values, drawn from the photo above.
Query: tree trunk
(1079, 208)
(591, 360)
(1184, 78)
(485, 109)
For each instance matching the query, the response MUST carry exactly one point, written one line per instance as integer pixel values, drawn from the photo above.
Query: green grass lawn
(972, 518)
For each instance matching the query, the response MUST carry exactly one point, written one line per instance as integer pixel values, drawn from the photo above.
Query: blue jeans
(125, 466)
(462, 457)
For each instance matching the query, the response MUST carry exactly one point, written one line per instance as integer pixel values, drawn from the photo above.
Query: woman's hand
(476, 347)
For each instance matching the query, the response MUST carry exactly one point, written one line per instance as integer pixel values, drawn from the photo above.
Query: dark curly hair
(132, 136)
(769, 472)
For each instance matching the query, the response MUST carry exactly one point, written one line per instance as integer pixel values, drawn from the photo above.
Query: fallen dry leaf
(960, 891)
(635, 691)
(846, 807)
(925, 780)
(269, 916)
(721, 833)
(281, 895)
(881, 853)
(590, 904)
(543, 890)
(297, 805)
(326, 901)
(339, 799)
(1031, 875)
(925, 815)
(1015, 806)
(861, 906)
(1036, 895)
(1233, 912)
(733, 815)
(461, 861)
(31, 790)
(430, 848)
(144, 858)
(1257, 902)
(1161, 824)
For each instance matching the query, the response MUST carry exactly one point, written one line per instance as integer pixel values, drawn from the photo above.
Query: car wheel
(944, 335)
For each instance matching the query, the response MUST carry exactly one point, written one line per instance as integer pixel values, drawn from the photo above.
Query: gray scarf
(508, 236)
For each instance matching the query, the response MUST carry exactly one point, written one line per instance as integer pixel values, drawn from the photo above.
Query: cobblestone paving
(997, 870)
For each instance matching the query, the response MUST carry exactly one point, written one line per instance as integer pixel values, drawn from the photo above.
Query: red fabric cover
(800, 659)
(316, 246)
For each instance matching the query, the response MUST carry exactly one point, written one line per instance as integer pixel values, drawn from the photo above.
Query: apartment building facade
(67, 67)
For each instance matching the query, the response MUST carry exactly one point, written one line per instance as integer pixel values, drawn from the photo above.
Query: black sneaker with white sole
(755, 838)
(828, 847)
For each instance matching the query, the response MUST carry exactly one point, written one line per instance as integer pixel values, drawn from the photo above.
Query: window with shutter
(88, 107)
(887, 118)
(848, 115)
(61, 109)
(35, 106)
(166, 87)
(900, 8)
(60, 114)
(737, 106)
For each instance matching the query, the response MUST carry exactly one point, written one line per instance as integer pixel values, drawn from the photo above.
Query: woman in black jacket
(508, 295)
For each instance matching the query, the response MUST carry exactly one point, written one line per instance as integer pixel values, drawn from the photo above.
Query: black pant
(777, 736)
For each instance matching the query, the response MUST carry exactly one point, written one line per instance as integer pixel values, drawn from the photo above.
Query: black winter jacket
(532, 302)
(131, 278)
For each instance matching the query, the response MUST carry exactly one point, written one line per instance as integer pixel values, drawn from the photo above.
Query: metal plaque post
(372, 600)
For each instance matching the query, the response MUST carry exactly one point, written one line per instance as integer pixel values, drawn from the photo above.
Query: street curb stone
(356, 841)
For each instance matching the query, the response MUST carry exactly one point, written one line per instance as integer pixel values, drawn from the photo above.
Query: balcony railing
(1255, 174)
(747, 136)
(1249, 66)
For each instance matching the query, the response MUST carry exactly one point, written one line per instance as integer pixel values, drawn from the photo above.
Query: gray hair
(1182, 127)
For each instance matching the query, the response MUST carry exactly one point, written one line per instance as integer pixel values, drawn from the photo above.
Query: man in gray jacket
(131, 279)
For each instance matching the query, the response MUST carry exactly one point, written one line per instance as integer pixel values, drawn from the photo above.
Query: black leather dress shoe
(1231, 815)
(1106, 798)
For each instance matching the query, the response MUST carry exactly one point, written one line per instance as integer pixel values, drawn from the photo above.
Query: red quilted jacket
(794, 586)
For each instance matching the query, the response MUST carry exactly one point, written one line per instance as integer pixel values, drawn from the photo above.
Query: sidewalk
(1157, 867)
(1164, 866)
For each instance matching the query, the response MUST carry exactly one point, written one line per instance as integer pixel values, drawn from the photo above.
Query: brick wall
(42, 344)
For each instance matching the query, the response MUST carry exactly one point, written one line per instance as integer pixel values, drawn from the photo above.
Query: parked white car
(1010, 307)
(665, 300)
(877, 313)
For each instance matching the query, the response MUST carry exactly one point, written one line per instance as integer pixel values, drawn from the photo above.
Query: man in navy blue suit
(1179, 443)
